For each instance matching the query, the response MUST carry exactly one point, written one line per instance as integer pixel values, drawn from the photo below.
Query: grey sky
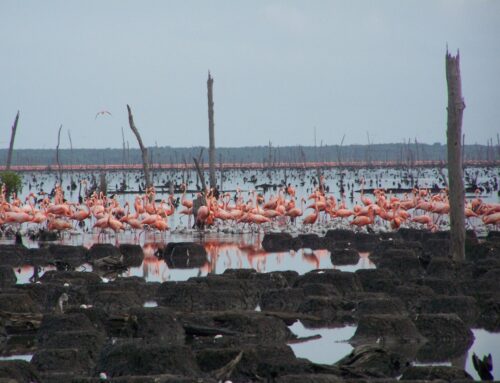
(280, 68)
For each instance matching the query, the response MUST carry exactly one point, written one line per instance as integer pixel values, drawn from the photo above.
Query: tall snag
(144, 150)
(211, 133)
(58, 161)
(11, 146)
(456, 106)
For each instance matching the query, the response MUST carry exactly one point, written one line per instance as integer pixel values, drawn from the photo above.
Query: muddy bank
(417, 305)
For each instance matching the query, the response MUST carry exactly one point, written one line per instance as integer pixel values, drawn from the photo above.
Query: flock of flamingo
(104, 214)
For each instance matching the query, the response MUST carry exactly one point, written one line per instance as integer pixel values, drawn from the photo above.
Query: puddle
(26, 357)
(334, 340)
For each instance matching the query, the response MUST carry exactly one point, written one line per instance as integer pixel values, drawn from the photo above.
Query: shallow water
(223, 252)
(334, 345)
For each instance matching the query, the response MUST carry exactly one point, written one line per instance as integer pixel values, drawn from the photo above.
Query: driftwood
(456, 108)
(144, 150)
(211, 132)
(225, 372)
(11, 145)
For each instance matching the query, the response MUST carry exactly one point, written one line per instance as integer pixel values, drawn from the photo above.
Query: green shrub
(12, 182)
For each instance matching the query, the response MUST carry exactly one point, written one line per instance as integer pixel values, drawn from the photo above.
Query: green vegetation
(12, 182)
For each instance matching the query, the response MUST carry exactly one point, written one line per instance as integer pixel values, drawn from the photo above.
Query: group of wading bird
(419, 208)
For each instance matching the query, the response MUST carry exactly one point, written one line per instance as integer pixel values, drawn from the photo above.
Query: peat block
(46, 295)
(157, 324)
(133, 255)
(319, 290)
(17, 302)
(39, 256)
(101, 250)
(258, 282)
(311, 241)
(287, 300)
(440, 286)
(255, 326)
(73, 255)
(71, 277)
(437, 247)
(54, 323)
(266, 361)
(403, 262)
(340, 235)
(412, 295)
(365, 241)
(116, 301)
(191, 296)
(7, 277)
(442, 267)
(464, 306)
(344, 256)
(183, 255)
(137, 285)
(390, 306)
(408, 234)
(13, 255)
(135, 357)
(489, 317)
(493, 235)
(387, 327)
(63, 360)
(20, 371)
(276, 242)
(446, 373)
(387, 245)
(480, 251)
(331, 310)
(87, 341)
(374, 361)
(443, 327)
(343, 282)
(377, 280)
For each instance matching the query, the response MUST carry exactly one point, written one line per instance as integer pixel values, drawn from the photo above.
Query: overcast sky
(280, 69)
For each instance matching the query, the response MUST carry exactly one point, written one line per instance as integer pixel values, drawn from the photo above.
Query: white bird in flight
(102, 112)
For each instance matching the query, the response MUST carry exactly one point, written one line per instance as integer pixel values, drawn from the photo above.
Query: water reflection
(335, 340)
(223, 252)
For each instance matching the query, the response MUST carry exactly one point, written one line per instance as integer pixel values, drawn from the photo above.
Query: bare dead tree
(211, 132)
(339, 151)
(144, 150)
(498, 145)
(58, 162)
(456, 106)
(71, 158)
(123, 143)
(199, 170)
(201, 166)
(11, 145)
(221, 165)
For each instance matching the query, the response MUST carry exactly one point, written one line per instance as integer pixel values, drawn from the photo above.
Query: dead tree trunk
(57, 156)
(211, 133)
(11, 146)
(144, 150)
(456, 108)
(200, 174)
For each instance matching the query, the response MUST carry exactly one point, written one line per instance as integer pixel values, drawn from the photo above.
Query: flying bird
(102, 112)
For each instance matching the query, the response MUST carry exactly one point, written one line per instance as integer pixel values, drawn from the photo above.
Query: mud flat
(417, 305)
